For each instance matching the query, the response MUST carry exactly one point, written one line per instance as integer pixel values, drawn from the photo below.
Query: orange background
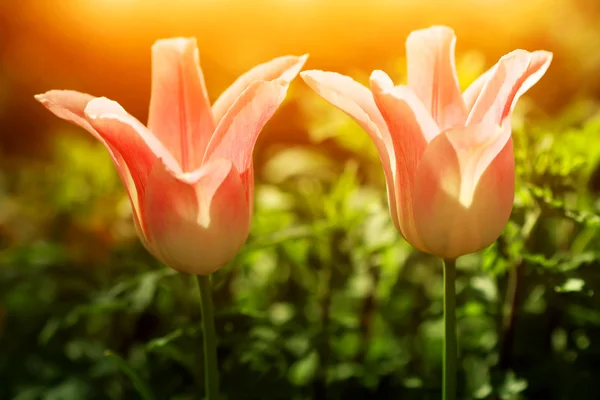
(103, 46)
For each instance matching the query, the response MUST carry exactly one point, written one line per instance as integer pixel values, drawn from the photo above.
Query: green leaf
(144, 293)
(571, 285)
(303, 371)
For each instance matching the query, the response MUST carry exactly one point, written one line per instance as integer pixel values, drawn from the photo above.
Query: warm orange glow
(102, 46)
(243, 32)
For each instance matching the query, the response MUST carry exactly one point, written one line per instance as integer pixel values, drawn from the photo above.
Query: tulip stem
(211, 366)
(450, 345)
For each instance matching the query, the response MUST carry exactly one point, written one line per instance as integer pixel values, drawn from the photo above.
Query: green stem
(450, 346)
(211, 366)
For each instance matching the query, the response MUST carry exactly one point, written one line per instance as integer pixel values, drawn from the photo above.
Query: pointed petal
(411, 127)
(514, 74)
(400, 106)
(286, 68)
(70, 105)
(432, 74)
(197, 221)
(180, 114)
(464, 190)
(236, 134)
(349, 96)
(139, 148)
(357, 101)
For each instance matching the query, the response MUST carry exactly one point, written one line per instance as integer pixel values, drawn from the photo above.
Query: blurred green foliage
(326, 301)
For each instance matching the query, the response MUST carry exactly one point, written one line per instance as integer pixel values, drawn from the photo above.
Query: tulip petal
(139, 148)
(471, 94)
(462, 198)
(197, 221)
(180, 114)
(351, 97)
(70, 105)
(286, 68)
(411, 128)
(432, 74)
(357, 101)
(396, 104)
(510, 78)
(236, 134)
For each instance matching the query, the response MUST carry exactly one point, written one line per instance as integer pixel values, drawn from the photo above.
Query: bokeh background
(326, 301)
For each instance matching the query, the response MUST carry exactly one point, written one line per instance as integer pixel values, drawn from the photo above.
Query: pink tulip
(189, 174)
(447, 156)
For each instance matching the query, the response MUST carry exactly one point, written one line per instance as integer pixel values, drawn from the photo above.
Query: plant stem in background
(367, 314)
(514, 291)
(513, 300)
(211, 366)
(450, 346)
(138, 383)
(323, 346)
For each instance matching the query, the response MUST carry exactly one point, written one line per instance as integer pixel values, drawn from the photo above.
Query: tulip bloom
(189, 173)
(447, 156)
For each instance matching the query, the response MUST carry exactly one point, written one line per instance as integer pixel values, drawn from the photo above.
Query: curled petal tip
(516, 53)
(309, 73)
(302, 60)
(286, 67)
(547, 55)
(43, 99)
(441, 29)
(46, 97)
(67, 104)
(381, 81)
(310, 76)
(293, 71)
(434, 30)
(177, 43)
(102, 107)
(318, 76)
